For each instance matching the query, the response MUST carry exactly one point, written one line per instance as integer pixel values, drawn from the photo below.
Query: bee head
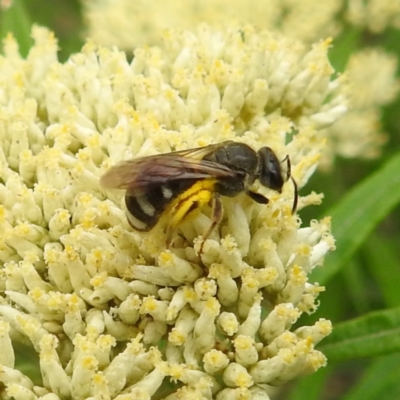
(270, 172)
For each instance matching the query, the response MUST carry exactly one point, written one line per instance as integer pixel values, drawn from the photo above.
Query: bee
(184, 181)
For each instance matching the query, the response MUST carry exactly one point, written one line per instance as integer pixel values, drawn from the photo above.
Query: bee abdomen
(146, 208)
(139, 218)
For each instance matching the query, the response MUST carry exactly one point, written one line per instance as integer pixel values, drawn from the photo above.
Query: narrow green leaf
(310, 387)
(16, 20)
(380, 381)
(344, 46)
(382, 259)
(358, 213)
(355, 281)
(375, 334)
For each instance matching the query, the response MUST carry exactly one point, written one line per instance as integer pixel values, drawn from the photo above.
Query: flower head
(96, 298)
(375, 15)
(129, 24)
(359, 132)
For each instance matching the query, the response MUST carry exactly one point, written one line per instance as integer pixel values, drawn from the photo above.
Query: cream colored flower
(111, 312)
(372, 83)
(128, 24)
(375, 15)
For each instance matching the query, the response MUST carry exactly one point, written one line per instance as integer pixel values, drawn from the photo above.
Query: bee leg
(259, 198)
(217, 212)
(168, 240)
(179, 215)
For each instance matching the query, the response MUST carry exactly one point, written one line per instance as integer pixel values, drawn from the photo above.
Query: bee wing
(145, 172)
(199, 153)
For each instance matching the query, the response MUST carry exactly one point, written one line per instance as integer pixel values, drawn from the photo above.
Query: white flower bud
(19, 392)
(173, 354)
(118, 329)
(228, 291)
(99, 387)
(177, 302)
(73, 324)
(11, 376)
(315, 360)
(205, 288)
(23, 300)
(231, 256)
(7, 356)
(14, 280)
(59, 223)
(317, 332)
(83, 372)
(228, 323)
(156, 308)
(239, 227)
(248, 291)
(215, 361)
(190, 353)
(26, 324)
(110, 287)
(77, 273)
(235, 375)
(265, 371)
(296, 362)
(129, 309)
(15, 239)
(286, 340)
(277, 321)
(57, 271)
(154, 275)
(245, 352)
(179, 269)
(204, 330)
(234, 394)
(144, 288)
(154, 332)
(294, 288)
(53, 374)
(250, 326)
(150, 383)
(183, 326)
(166, 294)
(95, 324)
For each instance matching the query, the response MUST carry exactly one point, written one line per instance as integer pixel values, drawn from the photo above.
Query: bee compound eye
(270, 172)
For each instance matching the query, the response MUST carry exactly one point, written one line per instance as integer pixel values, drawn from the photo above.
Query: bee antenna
(289, 167)
(289, 176)
(296, 195)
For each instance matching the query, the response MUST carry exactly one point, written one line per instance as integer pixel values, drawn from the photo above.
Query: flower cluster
(375, 15)
(110, 22)
(127, 24)
(372, 84)
(111, 312)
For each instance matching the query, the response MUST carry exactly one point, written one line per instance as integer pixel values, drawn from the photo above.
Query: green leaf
(375, 334)
(344, 46)
(354, 218)
(16, 20)
(382, 259)
(380, 381)
(310, 387)
(355, 281)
